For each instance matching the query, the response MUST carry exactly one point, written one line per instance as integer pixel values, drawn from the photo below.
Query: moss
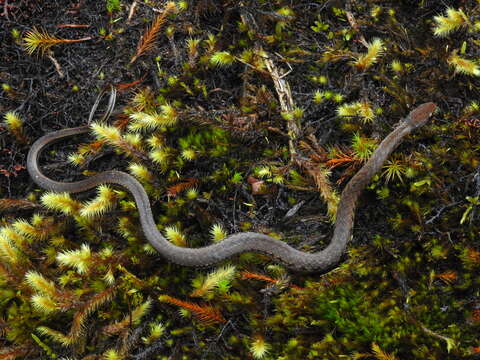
(207, 134)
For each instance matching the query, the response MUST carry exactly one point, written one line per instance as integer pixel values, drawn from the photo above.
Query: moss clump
(236, 119)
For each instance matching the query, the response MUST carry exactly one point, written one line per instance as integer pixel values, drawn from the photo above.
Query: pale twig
(286, 102)
(61, 26)
(132, 11)
(354, 25)
(56, 64)
(5, 9)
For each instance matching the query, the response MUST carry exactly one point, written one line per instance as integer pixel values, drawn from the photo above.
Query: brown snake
(245, 241)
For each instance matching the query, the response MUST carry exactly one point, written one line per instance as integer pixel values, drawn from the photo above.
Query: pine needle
(151, 33)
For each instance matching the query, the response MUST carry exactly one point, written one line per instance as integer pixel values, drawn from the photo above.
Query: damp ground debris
(240, 116)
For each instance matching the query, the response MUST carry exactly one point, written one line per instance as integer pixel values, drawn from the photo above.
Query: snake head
(420, 115)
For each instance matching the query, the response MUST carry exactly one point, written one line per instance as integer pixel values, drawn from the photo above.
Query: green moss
(213, 128)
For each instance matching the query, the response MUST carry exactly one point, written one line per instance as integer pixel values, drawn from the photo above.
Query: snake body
(245, 241)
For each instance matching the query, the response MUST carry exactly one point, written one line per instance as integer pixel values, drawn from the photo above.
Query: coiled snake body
(245, 241)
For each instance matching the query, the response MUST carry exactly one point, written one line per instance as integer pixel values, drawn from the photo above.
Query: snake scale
(246, 241)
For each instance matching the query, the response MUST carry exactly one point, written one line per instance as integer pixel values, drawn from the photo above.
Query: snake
(235, 244)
